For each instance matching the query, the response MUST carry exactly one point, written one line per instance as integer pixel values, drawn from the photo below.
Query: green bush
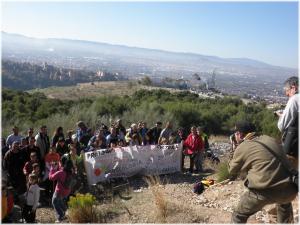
(182, 108)
(81, 208)
(222, 171)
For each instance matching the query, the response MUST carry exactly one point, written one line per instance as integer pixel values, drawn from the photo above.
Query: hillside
(131, 61)
(25, 76)
(96, 89)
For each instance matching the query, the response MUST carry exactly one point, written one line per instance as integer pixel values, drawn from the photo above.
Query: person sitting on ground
(193, 147)
(83, 134)
(121, 143)
(13, 137)
(165, 133)
(112, 137)
(32, 197)
(154, 133)
(58, 135)
(135, 140)
(61, 147)
(97, 141)
(267, 179)
(106, 132)
(121, 130)
(133, 131)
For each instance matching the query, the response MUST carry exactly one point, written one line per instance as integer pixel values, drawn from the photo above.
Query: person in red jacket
(193, 147)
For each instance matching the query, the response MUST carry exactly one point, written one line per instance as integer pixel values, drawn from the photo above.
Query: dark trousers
(27, 214)
(192, 162)
(254, 200)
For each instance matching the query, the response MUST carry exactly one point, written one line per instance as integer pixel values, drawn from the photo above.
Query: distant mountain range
(131, 61)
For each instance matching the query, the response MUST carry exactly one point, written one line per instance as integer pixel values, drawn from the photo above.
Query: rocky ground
(214, 205)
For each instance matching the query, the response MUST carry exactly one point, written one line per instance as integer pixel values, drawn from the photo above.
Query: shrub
(81, 208)
(222, 171)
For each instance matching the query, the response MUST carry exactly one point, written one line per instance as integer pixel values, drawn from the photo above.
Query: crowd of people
(38, 160)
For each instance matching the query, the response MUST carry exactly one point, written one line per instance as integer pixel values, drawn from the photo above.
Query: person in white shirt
(290, 113)
(32, 197)
(288, 119)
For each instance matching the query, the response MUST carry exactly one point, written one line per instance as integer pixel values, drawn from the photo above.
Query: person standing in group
(203, 136)
(32, 196)
(62, 191)
(288, 121)
(30, 134)
(165, 133)
(13, 137)
(154, 133)
(42, 141)
(13, 162)
(193, 147)
(58, 135)
(267, 179)
(121, 130)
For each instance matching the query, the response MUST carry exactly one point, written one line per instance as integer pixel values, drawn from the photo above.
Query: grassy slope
(83, 90)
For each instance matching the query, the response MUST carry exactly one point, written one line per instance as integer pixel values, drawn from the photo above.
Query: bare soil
(214, 205)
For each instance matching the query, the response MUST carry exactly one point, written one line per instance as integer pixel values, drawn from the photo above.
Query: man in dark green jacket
(267, 180)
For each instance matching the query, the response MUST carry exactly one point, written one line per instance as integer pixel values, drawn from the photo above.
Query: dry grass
(218, 138)
(161, 203)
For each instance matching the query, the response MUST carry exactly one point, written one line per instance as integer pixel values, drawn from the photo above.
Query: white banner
(132, 160)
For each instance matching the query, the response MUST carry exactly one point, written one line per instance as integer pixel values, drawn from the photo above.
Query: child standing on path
(32, 197)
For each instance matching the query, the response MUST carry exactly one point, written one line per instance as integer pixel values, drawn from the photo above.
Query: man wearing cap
(267, 180)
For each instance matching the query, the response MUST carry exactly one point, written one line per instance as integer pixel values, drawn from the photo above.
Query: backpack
(198, 188)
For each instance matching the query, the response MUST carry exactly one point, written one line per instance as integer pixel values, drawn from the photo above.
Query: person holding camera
(288, 121)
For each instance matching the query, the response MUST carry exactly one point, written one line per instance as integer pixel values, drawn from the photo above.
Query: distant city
(246, 78)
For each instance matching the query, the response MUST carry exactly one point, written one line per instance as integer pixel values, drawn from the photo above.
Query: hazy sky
(266, 31)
